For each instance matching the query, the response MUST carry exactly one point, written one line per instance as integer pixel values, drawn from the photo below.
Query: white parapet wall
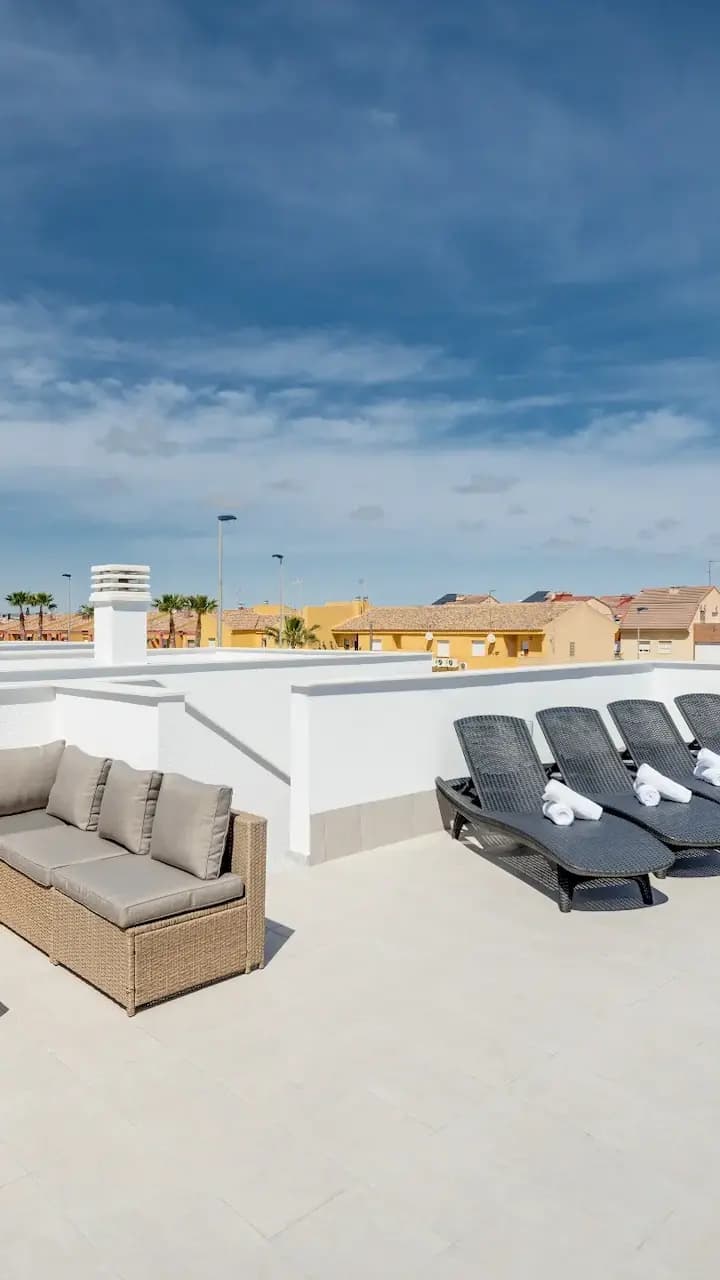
(218, 719)
(365, 755)
(338, 752)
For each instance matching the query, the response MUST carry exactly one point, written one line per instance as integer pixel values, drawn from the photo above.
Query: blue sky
(426, 293)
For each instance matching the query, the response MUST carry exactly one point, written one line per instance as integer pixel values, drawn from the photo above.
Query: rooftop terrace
(436, 1076)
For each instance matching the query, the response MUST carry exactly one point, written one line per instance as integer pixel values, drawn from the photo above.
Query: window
(478, 648)
(572, 648)
(443, 648)
(702, 614)
(377, 646)
(664, 646)
(644, 648)
(525, 646)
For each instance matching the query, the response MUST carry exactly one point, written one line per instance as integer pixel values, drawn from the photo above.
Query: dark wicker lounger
(589, 762)
(652, 737)
(702, 712)
(506, 808)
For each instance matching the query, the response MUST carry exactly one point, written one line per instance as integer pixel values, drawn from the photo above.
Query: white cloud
(143, 453)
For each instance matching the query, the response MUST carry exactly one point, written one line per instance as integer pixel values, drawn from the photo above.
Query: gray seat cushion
(191, 825)
(36, 843)
(128, 806)
(129, 890)
(27, 775)
(77, 791)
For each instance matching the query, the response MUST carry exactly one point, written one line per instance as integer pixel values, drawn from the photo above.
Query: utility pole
(281, 635)
(221, 521)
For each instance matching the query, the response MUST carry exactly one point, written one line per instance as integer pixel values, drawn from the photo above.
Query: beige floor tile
(357, 1235)
(437, 1076)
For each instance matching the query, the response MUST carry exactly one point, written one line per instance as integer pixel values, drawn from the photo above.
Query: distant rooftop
(456, 617)
(665, 608)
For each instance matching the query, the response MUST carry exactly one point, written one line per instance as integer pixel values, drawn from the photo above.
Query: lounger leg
(566, 884)
(661, 875)
(646, 890)
(457, 826)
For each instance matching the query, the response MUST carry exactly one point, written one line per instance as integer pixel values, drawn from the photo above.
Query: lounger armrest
(248, 854)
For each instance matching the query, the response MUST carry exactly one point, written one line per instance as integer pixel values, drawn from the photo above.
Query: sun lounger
(503, 798)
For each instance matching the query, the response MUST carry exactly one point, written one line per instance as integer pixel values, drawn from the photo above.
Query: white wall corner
(300, 711)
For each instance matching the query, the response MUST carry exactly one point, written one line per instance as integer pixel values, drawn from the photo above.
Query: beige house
(660, 622)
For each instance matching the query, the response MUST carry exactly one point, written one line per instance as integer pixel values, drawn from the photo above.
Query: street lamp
(276, 556)
(221, 521)
(642, 608)
(69, 602)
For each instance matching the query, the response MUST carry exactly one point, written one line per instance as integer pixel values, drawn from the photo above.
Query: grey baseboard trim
(337, 833)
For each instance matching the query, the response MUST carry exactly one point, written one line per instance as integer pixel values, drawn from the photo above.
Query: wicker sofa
(146, 885)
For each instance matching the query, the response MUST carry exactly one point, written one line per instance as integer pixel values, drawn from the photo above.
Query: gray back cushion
(27, 775)
(78, 788)
(191, 825)
(128, 806)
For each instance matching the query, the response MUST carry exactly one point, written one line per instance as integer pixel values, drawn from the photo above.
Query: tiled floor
(437, 1077)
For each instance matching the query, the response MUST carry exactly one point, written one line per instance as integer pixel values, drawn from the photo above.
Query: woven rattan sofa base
(149, 963)
(26, 907)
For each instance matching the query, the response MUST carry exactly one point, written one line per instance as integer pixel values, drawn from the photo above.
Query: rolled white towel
(668, 788)
(581, 806)
(708, 759)
(646, 794)
(561, 814)
(708, 773)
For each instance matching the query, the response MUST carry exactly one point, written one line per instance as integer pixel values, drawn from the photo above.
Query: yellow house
(247, 628)
(480, 636)
(660, 622)
(242, 628)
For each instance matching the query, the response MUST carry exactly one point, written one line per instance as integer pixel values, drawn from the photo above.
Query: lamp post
(69, 602)
(224, 519)
(277, 556)
(365, 601)
(642, 608)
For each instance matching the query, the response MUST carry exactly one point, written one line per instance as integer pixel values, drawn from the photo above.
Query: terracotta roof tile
(52, 623)
(456, 617)
(664, 608)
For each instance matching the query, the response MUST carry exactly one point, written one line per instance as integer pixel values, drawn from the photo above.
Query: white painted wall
(189, 746)
(27, 717)
(707, 653)
(371, 741)
(252, 700)
(109, 722)
(40, 649)
(297, 739)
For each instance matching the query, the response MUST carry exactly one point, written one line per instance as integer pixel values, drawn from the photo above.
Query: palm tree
(87, 611)
(170, 604)
(200, 606)
(20, 600)
(42, 600)
(295, 634)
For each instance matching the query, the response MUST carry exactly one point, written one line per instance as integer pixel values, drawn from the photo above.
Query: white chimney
(121, 597)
